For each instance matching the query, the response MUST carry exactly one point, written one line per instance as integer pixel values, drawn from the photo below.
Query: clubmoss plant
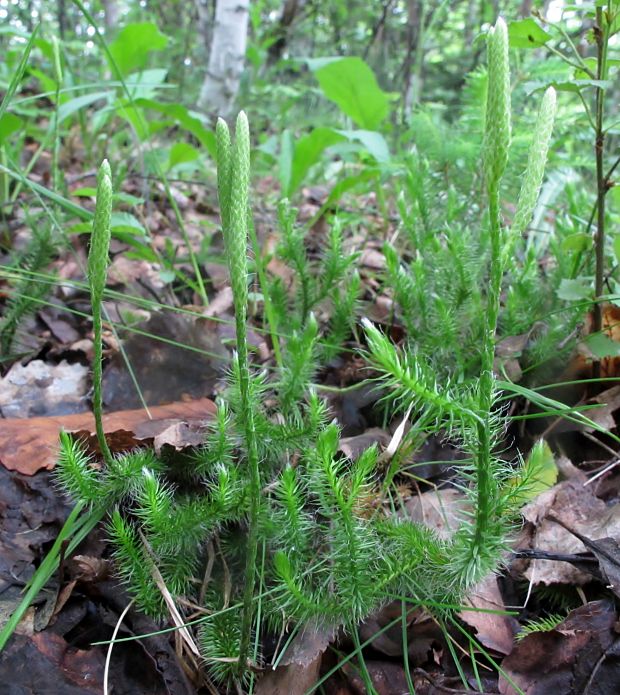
(467, 410)
(482, 541)
(97, 273)
(330, 277)
(30, 286)
(233, 187)
(271, 472)
(537, 158)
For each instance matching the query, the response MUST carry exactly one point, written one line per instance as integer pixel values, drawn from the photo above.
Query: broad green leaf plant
(288, 513)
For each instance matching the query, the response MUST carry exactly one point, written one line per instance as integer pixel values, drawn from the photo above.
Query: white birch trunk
(110, 15)
(226, 58)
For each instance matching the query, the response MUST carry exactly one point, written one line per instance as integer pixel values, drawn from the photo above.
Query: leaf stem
(601, 36)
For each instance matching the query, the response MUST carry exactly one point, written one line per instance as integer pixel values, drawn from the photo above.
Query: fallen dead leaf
(582, 362)
(299, 667)
(609, 402)
(510, 349)
(441, 510)
(579, 509)
(424, 636)
(173, 357)
(60, 327)
(372, 258)
(352, 447)
(607, 552)
(494, 630)
(46, 664)
(220, 304)
(89, 569)
(126, 271)
(29, 445)
(387, 678)
(568, 659)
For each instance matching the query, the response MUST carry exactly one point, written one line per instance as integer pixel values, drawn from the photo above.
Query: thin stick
(108, 657)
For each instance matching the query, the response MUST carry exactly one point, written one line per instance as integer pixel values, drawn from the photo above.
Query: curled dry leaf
(495, 630)
(425, 639)
(580, 510)
(30, 445)
(352, 447)
(387, 678)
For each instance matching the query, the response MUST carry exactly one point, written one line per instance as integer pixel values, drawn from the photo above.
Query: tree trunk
(62, 18)
(226, 58)
(411, 68)
(204, 10)
(110, 15)
(289, 12)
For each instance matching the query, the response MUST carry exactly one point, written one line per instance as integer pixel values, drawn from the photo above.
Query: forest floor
(565, 567)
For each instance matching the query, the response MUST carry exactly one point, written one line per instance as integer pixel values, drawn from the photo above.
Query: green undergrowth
(269, 527)
(312, 532)
(27, 289)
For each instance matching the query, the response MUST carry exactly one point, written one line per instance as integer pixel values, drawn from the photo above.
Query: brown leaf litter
(30, 445)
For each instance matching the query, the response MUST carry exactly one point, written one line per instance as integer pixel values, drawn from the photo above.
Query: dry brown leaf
(299, 667)
(569, 659)
(89, 569)
(494, 630)
(60, 327)
(182, 357)
(372, 258)
(580, 366)
(424, 636)
(579, 509)
(352, 447)
(387, 678)
(609, 402)
(441, 510)
(220, 304)
(126, 271)
(29, 445)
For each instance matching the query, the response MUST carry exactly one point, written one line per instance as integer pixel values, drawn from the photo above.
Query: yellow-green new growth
(57, 60)
(537, 159)
(222, 136)
(97, 273)
(497, 124)
(100, 239)
(236, 244)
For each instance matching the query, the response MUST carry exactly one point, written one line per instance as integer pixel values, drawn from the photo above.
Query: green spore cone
(97, 273)
(498, 127)
(537, 159)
